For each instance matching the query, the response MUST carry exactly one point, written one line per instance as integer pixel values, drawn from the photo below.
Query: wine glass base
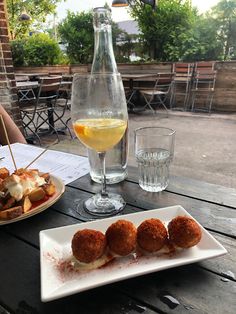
(100, 206)
(83, 215)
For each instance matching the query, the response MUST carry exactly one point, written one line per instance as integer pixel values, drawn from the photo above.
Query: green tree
(160, 27)
(201, 42)
(36, 9)
(76, 31)
(125, 45)
(224, 14)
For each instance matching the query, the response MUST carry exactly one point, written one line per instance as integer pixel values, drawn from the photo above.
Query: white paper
(66, 166)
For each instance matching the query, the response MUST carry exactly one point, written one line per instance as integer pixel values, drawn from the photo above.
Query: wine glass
(99, 117)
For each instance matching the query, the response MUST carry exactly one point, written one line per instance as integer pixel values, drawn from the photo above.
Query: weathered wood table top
(204, 287)
(27, 85)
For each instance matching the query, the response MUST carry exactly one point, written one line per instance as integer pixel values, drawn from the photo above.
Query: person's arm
(14, 133)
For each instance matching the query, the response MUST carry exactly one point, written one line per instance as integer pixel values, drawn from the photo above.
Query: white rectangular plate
(55, 247)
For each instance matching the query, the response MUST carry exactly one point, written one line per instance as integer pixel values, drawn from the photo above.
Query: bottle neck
(104, 59)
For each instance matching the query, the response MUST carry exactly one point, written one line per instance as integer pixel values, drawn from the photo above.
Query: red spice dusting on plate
(66, 266)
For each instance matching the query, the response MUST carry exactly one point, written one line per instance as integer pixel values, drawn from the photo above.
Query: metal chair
(203, 88)
(40, 112)
(63, 103)
(181, 84)
(160, 92)
(26, 92)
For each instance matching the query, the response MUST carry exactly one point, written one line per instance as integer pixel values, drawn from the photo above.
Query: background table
(205, 287)
(134, 91)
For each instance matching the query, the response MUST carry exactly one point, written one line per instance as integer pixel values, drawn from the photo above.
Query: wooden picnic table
(204, 287)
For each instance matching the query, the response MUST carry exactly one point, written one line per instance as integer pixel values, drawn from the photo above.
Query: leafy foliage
(37, 50)
(199, 43)
(36, 9)
(17, 48)
(172, 19)
(224, 14)
(76, 31)
(175, 30)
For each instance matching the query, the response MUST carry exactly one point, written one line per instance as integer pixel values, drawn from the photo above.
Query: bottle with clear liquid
(104, 62)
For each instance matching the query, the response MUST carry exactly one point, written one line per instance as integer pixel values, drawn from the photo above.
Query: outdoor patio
(204, 149)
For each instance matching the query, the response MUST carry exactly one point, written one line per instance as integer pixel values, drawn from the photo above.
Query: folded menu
(68, 167)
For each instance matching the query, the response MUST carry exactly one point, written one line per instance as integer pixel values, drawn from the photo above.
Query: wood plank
(63, 214)
(3, 310)
(195, 188)
(28, 229)
(191, 286)
(224, 265)
(194, 290)
(74, 198)
(20, 287)
(214, 217)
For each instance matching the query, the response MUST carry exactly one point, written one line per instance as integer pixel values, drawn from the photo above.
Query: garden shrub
(17, 48)
(40, 49)
(36, 50)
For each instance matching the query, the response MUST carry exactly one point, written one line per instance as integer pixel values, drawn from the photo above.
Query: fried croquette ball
(121, 237)
(184, 231)
(88, 245)
(151, 235)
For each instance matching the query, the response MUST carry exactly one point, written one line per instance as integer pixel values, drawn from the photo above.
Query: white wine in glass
(99, 117)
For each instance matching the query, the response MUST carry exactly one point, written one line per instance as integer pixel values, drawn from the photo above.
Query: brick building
(8, 91)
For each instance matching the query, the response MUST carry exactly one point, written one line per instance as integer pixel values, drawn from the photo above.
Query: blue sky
(118, 14)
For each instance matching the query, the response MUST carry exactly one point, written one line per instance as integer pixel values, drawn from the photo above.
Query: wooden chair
(204, 66)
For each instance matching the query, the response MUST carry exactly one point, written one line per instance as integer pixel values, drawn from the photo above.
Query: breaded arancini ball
(184, 231)
(151, 235)
(88, 245)
(121, 237)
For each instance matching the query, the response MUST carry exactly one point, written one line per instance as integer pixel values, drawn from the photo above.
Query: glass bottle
(104, 62)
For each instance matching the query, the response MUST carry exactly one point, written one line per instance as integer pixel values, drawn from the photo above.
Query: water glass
(154, 151)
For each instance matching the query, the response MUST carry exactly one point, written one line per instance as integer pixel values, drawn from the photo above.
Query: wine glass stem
(103, 173)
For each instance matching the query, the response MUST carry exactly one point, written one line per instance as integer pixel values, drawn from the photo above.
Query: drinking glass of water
(154, 151)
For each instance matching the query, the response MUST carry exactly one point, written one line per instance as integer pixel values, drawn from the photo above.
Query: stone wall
(8, 92)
